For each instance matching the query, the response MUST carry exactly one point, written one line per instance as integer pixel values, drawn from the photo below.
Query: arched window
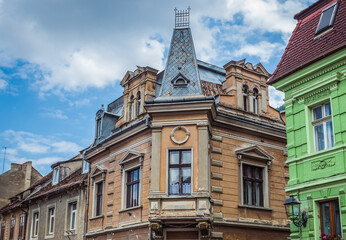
(255, 100)
(245, 97)
(138, 103)
(131, 108)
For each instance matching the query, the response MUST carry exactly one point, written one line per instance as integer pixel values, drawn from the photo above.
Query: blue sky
(60, 60)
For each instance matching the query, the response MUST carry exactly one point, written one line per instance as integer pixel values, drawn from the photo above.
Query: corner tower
(181, 77)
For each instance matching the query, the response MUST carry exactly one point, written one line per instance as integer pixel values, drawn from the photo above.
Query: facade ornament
(187, 135)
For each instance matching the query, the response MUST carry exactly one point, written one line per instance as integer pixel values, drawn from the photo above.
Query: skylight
(327, 18)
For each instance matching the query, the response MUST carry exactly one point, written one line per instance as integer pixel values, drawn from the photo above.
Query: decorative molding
(186, 137)
(322, 164)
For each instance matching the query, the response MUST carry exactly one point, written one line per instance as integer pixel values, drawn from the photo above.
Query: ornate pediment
(131, 156)
(253, 152)
(98, 170)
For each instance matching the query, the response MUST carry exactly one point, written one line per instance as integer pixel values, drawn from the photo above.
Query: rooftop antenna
(3, 164)
(182, 18)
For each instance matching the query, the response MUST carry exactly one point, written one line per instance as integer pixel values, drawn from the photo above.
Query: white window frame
(56, 172)
(167, 170)
(323, 121)
(68, 230)
(35, 223)
(124, 185)
(49, 220)
(265, 184)
(95, 197)
(73, 215)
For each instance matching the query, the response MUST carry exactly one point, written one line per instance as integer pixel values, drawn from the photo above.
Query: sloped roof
(304, 46)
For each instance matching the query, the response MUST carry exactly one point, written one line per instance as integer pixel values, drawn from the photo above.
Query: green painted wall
(316, 176)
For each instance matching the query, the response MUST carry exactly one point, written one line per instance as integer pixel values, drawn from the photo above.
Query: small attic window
(55, 175)
(327, 18)
(180, 81)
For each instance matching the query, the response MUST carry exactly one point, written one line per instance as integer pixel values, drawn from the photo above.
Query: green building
(312, 73)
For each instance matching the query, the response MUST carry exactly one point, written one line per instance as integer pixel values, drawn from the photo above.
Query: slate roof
(181, 60)
(304, 46)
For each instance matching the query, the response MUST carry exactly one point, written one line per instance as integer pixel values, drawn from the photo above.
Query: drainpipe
(87, 198)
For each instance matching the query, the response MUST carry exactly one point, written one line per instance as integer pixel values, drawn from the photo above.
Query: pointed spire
(181, 77)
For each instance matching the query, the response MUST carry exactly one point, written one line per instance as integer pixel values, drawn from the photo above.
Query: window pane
(330, 136)
(186, 180)
(317, 113)
(326, 18)
(134, 174)
(174, 157)
(327, 110)
(319, 136)
(186, 157)
(174, 181)
(337, 218)
(249, 191)
(326, 218)
(258, 194)
(135, 195)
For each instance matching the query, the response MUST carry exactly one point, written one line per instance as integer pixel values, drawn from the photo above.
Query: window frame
(12, 227)
(96, 197)
(255, 100)
(2, 230)
(245, 95)
(35, 223)
(332, 18)
(331, 215)
(129, 190)
(21, 226)
(323, 120)
(253, 180)
(50, 220)
(56, 172)
(180, 166)
(73, 215)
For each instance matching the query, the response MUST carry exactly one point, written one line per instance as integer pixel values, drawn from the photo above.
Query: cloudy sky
(61, 59)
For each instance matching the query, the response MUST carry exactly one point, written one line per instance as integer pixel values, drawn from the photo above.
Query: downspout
(87, 198)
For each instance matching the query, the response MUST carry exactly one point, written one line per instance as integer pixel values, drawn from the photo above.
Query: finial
(182, 18)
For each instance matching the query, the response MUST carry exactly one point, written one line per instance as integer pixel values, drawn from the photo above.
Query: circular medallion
(180, 135)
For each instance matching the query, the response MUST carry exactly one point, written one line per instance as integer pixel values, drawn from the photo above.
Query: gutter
(87, 197)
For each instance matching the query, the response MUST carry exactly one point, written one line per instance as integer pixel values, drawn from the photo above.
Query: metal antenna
(3, 164)
(182, 18)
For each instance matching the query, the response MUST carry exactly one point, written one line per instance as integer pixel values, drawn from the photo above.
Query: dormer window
(327, 18)
(180, 81)
(85, 166)
(138, 103)
(55, 175)
(98, 127)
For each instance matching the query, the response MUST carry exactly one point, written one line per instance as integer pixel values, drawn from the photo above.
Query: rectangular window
(55, 175)
(323, 127)
(327, 18)
(85, 166)
(330, 218)
(35, 224)
(51, 218)
(253, 185)
(99, 198)
(13, 223)
(132, 191)
(2, 233)
(179, 172)
(72, 208)
(21, 226)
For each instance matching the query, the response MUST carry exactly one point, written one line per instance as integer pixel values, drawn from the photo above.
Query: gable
(253, 152)
(130, 156)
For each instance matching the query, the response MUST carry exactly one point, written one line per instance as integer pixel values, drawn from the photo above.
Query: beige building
(194, 151)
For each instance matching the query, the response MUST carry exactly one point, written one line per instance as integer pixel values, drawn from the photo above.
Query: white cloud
(64, 146)
(79, 102)
(76, 45)
(264, 50)
(3, 84)
(54, 113)
(276, 97)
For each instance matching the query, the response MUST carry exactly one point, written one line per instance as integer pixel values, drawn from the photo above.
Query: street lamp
(292, 206)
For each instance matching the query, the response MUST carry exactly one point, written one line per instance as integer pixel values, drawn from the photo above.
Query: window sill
(129, 209)
(97, 217)
(71, 233)
(49, 236)
(255, 207)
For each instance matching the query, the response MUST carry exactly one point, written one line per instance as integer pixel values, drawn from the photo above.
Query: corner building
(311, 73)
(191, 152)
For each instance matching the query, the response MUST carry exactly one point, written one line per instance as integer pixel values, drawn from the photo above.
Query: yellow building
(194, 151)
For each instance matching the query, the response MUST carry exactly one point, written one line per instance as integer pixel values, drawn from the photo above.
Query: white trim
(265, 185)
(35, 223)
(56, 173)
(167, 168)
(49, 233)
(124, 185)
(322, 121)
(95, 197)
(67, 219)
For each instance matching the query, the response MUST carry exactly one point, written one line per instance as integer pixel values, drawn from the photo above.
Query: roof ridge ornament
(182, 18)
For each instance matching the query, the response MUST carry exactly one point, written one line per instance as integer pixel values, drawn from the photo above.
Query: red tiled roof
(305, 47)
